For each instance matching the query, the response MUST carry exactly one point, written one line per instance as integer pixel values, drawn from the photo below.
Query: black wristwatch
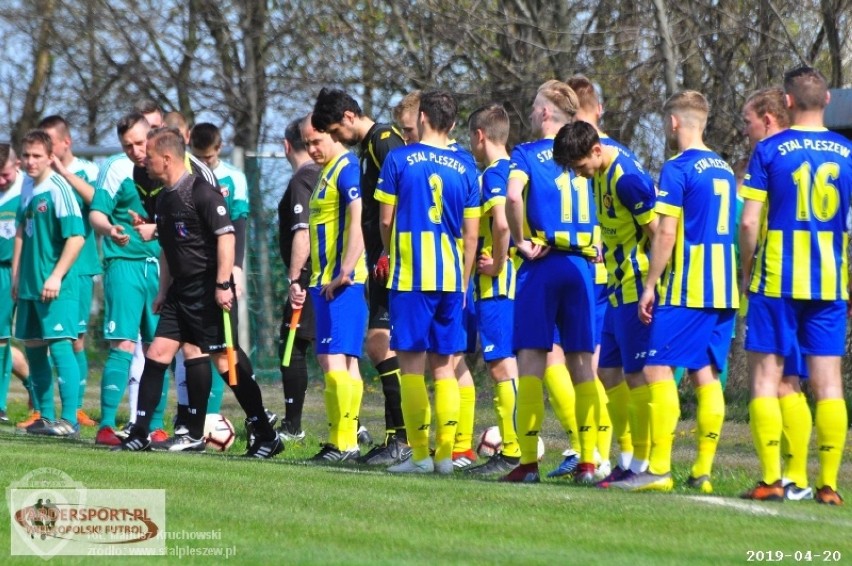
(223, 285)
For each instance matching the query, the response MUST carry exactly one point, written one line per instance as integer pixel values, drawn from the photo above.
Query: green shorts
(46, 321)
(86, 287)
(130, 287)
(7, 305)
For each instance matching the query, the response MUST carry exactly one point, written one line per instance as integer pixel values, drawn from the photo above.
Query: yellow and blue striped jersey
(805, 178)
(699, 189)
(624, 199)
(339, 185)
(493, 184)
(558, 205)
(433, 190)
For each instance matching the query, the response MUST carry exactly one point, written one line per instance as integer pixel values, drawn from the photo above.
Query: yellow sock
(354, 412)
(831, 424)
(797, 425)
(417, 413)
(640, 426)
(446, 416)
(710, 415)
(467, 407)
(765, 420)
(563, 401)
(588, 408)
(338, 396)
(664, 412)
(505, 398)
(618, 407)
(605, 431)
(530, 416)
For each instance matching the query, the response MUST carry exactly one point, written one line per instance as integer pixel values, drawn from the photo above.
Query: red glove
(381, 270)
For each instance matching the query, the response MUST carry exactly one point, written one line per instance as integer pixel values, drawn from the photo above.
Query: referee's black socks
(294, 382)
(150, 391)
(199, 380)
(248, 396)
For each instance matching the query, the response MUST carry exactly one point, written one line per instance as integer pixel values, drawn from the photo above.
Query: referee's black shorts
(190, 314)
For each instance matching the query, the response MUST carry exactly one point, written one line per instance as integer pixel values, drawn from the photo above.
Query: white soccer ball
(490, 442)
(219, 432)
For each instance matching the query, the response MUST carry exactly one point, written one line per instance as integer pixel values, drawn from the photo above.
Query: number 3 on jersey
(567, 187)
(816, 194)
(436, 185)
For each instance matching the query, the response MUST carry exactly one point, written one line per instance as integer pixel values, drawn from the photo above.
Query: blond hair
(562, 97)
(690, 106)
(409, 102)
(770, 101)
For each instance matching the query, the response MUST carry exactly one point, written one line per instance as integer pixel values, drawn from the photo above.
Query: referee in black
(196, 286)
(294, 244)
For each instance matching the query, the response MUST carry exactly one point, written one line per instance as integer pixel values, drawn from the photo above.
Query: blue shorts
(795, 363)
(426, 321)
(341, 322)
(773, 325)
(625, 339)
(494, 317)
(691, 338)
(601, 306)
(555, 291)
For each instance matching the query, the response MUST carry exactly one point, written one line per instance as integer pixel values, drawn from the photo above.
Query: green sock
(5, 373)
(157, 417)
(41, 376)
(28, 385)
(83, 367)
(214, 404)
(113, 383)
(62, 354)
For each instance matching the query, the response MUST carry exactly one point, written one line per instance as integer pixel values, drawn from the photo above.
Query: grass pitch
(287, 512)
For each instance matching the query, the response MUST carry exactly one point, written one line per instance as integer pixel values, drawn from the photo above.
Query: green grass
(286, 512)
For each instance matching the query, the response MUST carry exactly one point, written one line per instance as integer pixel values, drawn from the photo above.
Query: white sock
(137, 365)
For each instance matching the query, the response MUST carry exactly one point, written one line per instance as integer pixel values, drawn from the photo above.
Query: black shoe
(60, 428)
(134, 444)
(4, 418)
(497, 464)
(330, 454)
(393, 451)
(289, 433)
(265, 448)
(364, 438)
(180, 443)
(250, 428)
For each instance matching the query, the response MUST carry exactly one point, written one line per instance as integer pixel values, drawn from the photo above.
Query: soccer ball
(219, 432)
(490, 442)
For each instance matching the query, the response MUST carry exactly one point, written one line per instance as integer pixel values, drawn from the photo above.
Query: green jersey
(49, 215)
(88, 262)
(115, 196)
(9, 203)
(233, 186)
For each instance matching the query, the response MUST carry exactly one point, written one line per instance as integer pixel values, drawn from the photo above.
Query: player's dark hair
(55, 122)
(807, 87)
(38, 136)
(573, 142)
(585, 91)
(440, 109)
(293, 134)
(146, 106)
(128, 121)
(493, 120)
(770, 101)
(204, 136)
(330, 106)
(167, 140)
(5, 154)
